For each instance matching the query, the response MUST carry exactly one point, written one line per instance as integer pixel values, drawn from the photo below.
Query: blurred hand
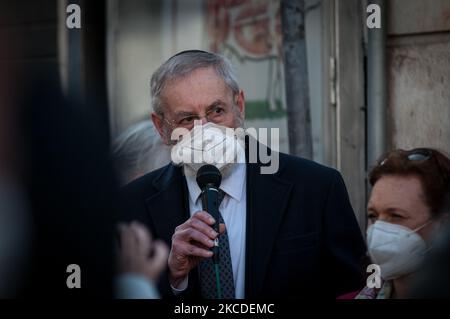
(190, 244)
(139, 254)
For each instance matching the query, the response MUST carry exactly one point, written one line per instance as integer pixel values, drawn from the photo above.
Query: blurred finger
(143, 238)
(127, 240)
(160, 256)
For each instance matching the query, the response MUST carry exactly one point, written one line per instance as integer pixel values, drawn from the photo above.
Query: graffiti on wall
(249, 31)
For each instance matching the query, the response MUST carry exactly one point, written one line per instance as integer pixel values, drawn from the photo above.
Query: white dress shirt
(234, 212)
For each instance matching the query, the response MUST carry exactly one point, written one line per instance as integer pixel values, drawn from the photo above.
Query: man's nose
(201, 121)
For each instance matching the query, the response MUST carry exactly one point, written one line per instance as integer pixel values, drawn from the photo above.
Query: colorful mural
(249, 33)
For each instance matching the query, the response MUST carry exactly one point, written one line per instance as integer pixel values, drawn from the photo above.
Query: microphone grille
(208, 174)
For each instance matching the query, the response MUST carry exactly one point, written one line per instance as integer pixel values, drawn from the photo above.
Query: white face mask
(398, 250)
(209, 144)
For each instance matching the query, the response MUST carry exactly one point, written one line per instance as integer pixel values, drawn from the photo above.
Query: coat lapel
(267, 197)
(169, 207)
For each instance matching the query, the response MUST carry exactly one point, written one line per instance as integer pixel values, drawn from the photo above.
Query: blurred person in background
(434, 279)
(14, 214)
(141, 260)
(57, 208)
(69, 185)
(57, 192)
(405, 212)
(139, 150)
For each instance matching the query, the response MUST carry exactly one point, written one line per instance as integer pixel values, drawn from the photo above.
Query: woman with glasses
(405, 211)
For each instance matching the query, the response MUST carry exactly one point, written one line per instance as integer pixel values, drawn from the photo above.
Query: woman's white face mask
(398, 250)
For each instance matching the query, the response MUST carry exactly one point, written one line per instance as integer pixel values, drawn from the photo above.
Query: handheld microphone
(209, 179)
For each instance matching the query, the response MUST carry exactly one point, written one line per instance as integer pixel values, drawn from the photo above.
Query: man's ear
(158, 123)
(241, 103)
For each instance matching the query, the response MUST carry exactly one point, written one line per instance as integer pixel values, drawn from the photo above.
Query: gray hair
(182, 64)
(139, 150)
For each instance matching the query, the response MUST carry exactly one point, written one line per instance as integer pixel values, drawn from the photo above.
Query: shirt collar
(232, 184)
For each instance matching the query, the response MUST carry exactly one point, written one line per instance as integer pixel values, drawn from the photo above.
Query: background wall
(134, 45)
(419, 73)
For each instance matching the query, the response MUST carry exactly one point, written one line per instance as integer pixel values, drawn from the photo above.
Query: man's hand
(190, 244)
(135, 252)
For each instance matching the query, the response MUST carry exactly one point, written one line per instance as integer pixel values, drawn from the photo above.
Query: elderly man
(287, 234)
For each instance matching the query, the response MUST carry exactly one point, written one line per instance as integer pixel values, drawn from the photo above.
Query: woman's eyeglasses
(419, 155)
(416, 155)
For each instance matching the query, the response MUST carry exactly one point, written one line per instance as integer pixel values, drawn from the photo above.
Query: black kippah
(189, 51)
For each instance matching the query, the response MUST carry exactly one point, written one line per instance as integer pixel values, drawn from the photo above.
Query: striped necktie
(207, 272)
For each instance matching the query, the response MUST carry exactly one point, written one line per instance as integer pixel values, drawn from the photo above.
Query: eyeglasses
(419, 155)
(217, 114)
(416, 155)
